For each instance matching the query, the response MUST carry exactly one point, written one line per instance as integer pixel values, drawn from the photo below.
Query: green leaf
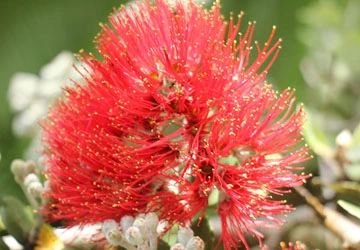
(322, 14)
(213, 197)
(163, 245)
(170, 237)
(2, 226)
(16, 218)
(350, 208)
(356, 136)
(315, 137)
(353, 154)
(205, 232)
(230, 160)
(343, 187)
(353, 172)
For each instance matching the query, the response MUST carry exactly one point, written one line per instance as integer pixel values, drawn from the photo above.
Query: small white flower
(184, 235)
(30, 95)
(141, 224)
(178, 246)
(161, 227)
(109, 225)
(36, 189)
(152, 221)
(344, 138)
(22, 88)
(134, 236)
(30, 178)
(112, 233)
(195, 243)
(126, 222)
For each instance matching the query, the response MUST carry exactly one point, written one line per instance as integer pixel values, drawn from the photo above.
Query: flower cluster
(142, 232)
(27, 176)
(174, 111)
(29, 96)
(133, 233)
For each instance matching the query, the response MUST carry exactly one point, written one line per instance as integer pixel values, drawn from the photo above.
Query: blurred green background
(32, 34)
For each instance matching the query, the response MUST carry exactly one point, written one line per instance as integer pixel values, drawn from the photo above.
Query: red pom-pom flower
(173, 111)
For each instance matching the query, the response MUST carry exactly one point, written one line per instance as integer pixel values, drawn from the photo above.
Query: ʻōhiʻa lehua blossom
(174, 110)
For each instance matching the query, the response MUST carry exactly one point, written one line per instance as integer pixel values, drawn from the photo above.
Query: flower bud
(343, 139)
(151, 221)
(185, 234)
(114, 237)
(19, 169)
(178, 246)
(126, 222)
(195, 243)
(141, 224)
(31, 167)
(161, 227)
(30, 178)
(112, 233)
(152, 240)
(108, 225)
(36, 189)
(133, 236)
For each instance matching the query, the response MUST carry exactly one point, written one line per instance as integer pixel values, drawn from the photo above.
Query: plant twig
(348, 231)
(341, 186)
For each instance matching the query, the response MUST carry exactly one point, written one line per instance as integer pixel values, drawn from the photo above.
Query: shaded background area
(32, 34)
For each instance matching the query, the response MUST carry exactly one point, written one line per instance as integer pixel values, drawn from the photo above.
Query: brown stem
(348, 231)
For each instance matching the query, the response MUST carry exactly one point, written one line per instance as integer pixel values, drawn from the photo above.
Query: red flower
(173, 111)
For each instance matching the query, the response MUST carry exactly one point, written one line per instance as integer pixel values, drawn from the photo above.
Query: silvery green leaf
(350, 208)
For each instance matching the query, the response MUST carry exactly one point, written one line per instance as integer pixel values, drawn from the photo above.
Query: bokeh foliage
(33, 33)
